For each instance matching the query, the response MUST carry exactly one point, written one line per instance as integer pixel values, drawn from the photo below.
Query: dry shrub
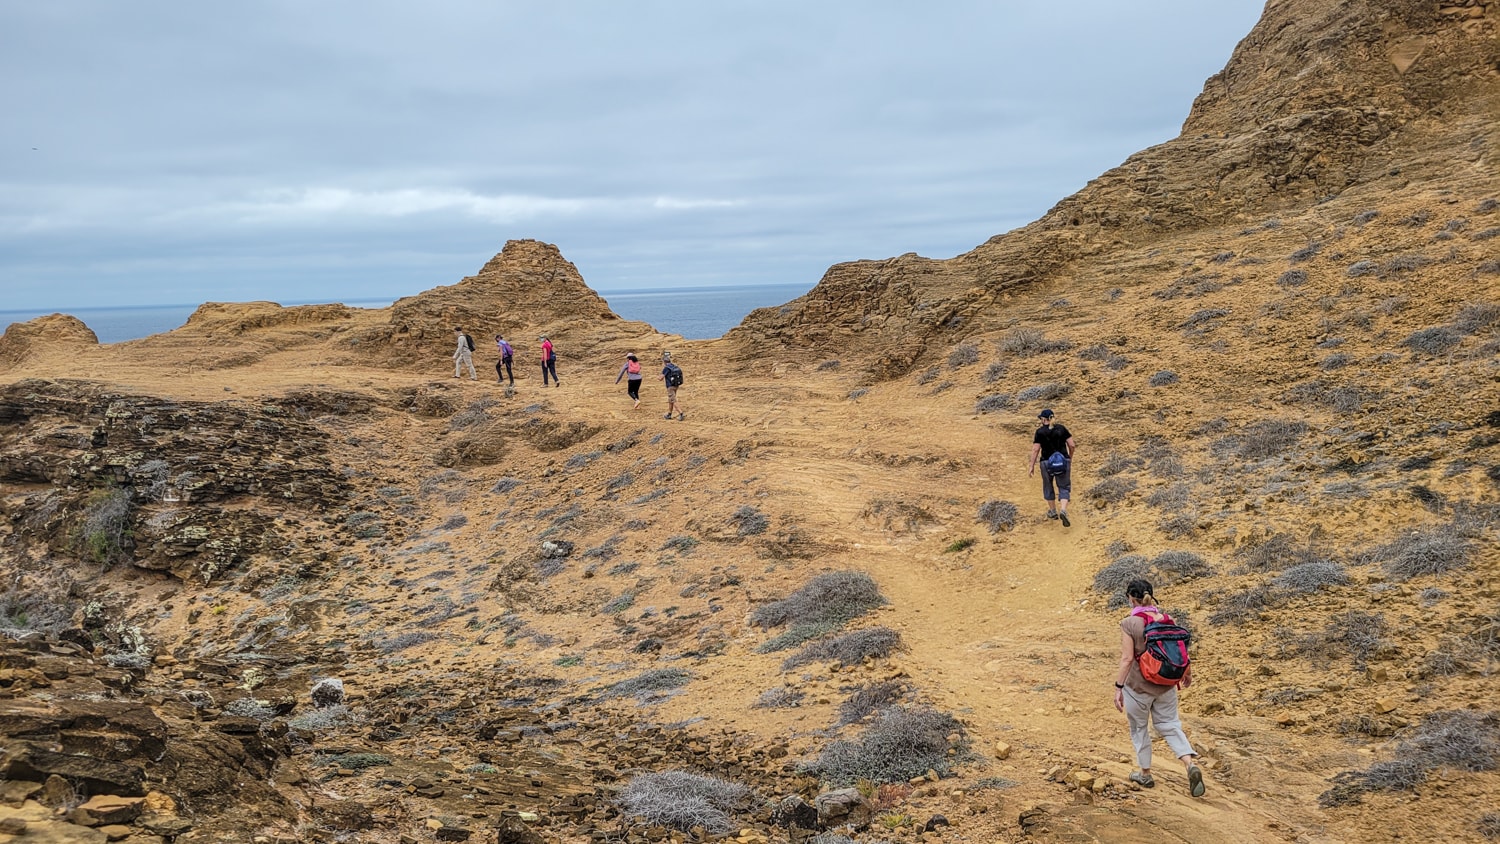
(874, 697)
(1433, 341)
(682, 800)
(1462, 740)
(832, 598)
(647, 682)
(1025, 342)
(964, 354)
(848, 649)
(1044, 392)
(1433, 551)
(1477, 316)
(1244, 603)
(902, 745)
(998, 515)
(1112, 579)
(1259, 440)
(995, 403)
(782, 698)
(1310, 577)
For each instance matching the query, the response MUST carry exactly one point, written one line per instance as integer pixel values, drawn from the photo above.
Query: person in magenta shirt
(549, 362)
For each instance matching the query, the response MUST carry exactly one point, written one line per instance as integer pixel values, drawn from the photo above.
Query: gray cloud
(287, 150)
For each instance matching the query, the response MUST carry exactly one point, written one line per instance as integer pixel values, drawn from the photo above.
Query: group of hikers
(630, 371)
(1153, 647)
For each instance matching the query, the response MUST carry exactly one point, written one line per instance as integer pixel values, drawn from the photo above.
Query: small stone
(12, 826)
(1002, 750)
(1385, 705)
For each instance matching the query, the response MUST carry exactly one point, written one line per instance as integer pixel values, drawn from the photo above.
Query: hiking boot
(1064, 517)
(1195, 781)
(1142, 780)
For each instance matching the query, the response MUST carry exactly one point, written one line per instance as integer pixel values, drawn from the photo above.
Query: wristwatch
(1119, 685)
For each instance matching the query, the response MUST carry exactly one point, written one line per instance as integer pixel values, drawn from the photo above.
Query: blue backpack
(1058, 462)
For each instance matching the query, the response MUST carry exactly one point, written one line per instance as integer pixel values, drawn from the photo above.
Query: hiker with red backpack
(1153, 663)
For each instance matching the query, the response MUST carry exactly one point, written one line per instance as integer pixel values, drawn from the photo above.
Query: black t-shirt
(1053, 438)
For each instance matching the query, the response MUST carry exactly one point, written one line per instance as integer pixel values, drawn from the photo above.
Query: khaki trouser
(1161, 711)
(464, 358)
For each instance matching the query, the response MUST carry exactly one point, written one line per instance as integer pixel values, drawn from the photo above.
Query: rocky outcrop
(21, 339)
(189, 488)
(1320, 98)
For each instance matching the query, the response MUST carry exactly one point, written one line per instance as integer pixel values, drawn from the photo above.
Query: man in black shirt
(1053, 447)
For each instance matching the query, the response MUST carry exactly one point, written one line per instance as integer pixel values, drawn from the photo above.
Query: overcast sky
(179, 152)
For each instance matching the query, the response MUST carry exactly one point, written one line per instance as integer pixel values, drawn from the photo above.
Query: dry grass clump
(1259, 440)
(1025, 342)
(750, 521)
(994, 372)
(682, 800)
(1292, 278)
(995, 403)
(964, 354)
(42, 601)
(875, 697)
(1433, 551)
(1111, 579)
(833, 598)
(1310, 577)
(998, 515)
(782, 698)
(1477, 316)
(1044, 392)
(1306, 253)
(902, 745)
(647, 683)
(1244, 603)
(848, 649)
(1278, 551)
(1460, 740)
(1164, 378)
(1433, 341)
(1356, 634)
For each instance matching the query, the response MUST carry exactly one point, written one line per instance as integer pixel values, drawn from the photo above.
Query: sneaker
(1051, 514)
(1195, 781)
(1142, 780)
(668, 416)
(681, 416)
(1064, 517)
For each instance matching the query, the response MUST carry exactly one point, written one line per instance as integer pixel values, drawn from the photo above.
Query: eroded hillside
(1275, 339)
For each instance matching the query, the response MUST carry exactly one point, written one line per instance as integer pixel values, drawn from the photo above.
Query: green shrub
(104, 533)
(959, 545)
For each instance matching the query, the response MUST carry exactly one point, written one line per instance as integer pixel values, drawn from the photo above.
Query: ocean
(696, 313)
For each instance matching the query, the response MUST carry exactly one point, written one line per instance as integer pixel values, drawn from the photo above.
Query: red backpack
(1165, 659)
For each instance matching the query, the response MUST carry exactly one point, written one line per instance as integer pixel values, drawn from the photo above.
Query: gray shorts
(1062, 479)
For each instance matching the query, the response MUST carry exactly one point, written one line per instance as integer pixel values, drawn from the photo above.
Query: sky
(158, 152)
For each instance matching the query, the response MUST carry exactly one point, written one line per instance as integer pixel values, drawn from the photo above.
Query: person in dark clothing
(506, 353)
(1057, 481)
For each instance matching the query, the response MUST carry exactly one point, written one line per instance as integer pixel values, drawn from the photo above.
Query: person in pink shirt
(549, 362)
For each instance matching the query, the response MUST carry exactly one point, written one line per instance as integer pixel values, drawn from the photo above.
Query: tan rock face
(54, 330)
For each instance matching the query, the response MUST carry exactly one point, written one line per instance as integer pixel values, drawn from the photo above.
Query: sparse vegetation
(1164, 378)
(1292, 278)
(965, 354)
(779, 698)
(1306, 253)
(749, 521)
(681, 543)
(848, 649)
(994, 372)
(901, 745)
(828, 365)
(1310, 577)
(833, 598)
(1111, 490)
(1460, 740)
(103, 533)
(995, 403)
(648, 683)
(958, 545)
(875, 697)
(1044, 392)
(682, 800)
(1432, 551)
(1026, 342)
(998, 515)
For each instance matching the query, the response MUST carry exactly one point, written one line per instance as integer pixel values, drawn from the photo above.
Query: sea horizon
(694, 313)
